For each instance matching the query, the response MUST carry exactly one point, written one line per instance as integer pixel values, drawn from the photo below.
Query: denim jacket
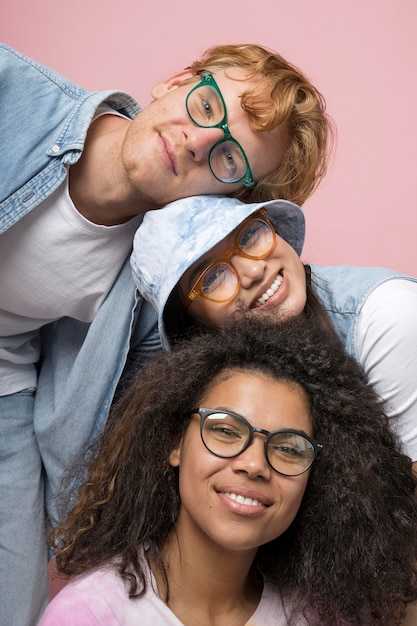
(43, 125)
(383, 339)
(343, 291)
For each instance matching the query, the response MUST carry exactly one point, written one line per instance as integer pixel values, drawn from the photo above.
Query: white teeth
(269, 292)
(242, 500)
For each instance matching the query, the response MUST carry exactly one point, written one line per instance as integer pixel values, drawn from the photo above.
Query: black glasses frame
(204, 413)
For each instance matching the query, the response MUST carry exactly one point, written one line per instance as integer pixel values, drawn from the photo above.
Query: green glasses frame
(208, 79)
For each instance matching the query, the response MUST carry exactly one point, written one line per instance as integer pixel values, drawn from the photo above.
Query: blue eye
(206, 109)
(228, 162)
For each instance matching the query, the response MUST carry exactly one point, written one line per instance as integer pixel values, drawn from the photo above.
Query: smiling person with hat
(216, 257)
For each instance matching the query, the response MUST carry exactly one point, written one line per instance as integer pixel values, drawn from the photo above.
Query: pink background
(362, 55)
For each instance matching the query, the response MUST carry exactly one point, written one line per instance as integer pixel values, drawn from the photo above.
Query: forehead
(263, 400)
(233, 80)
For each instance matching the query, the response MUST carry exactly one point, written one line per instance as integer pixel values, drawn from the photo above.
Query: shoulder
(333, 274)
(24, 69)
(24, 76)
(392, 301)
(387, 348)
(100, 598)
(387, 326)
(346, 287)
(88, 600)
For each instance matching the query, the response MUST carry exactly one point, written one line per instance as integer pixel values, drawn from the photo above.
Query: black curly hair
(349, 557)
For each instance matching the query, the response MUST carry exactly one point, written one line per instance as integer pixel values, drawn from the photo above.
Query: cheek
(196, 472)
(295, 493)
(290, 489)
(209, 313)
(300, 293)
(297, 304)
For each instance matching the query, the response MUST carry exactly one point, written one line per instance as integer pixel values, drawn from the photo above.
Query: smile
(269, 292)
(242, 500)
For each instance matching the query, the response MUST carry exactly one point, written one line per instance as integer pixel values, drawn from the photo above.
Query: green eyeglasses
(206, 108)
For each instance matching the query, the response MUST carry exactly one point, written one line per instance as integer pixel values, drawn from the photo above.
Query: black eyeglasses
(206, 108)
(227, 434)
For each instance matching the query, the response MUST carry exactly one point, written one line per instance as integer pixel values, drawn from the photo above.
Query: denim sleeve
(145, 343)
(141, 353)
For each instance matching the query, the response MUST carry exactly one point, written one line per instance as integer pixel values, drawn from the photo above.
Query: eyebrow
(284, 428)
(223, 409)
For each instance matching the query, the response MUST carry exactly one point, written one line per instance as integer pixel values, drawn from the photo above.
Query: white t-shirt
(387, 349)
(53, 263)
(100, 598)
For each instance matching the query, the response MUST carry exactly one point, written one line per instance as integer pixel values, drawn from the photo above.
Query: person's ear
(175, 455)
(164, 86)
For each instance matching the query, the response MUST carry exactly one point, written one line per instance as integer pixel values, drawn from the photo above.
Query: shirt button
(55, 148)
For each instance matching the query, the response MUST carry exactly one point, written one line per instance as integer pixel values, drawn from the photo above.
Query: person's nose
(199, 141)
(250, 270)
(253, 461)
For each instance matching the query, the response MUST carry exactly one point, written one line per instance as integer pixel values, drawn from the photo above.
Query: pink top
(100, 598)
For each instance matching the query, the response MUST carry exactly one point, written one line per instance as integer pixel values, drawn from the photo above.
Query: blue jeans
(23, 558)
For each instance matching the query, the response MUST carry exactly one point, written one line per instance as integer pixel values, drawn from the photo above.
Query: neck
(97, 183)
(209, 585)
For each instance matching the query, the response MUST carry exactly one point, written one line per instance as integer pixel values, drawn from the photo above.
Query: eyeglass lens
(226, 436)
(254, 240)
(206, 108)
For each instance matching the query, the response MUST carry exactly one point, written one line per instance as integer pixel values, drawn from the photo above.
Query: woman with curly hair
(247, 477)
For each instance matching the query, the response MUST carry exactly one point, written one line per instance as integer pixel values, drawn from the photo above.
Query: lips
(269, 292)
(241, 500)
(244, 495)
(168, 154)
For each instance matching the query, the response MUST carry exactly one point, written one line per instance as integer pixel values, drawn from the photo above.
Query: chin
(273, 314)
